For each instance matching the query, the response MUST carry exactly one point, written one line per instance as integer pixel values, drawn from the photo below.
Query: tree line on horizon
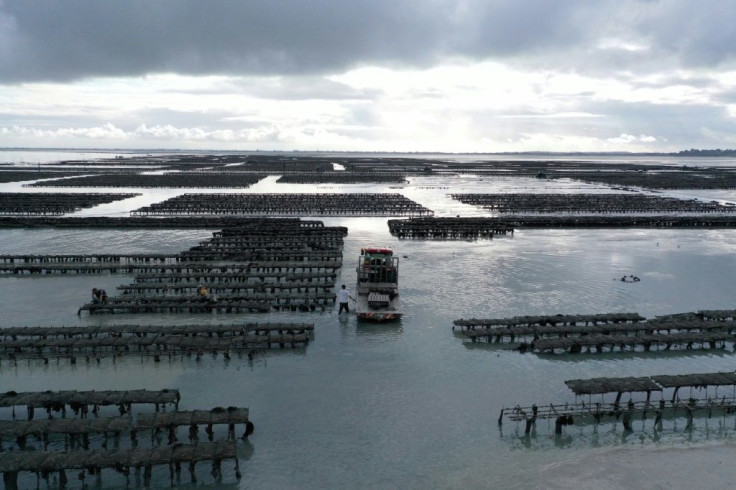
(692, 152)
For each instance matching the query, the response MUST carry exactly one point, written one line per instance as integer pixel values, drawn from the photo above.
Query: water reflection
(613, 356)
(245, 450)
(484, 346)
(592, 356)
(94, 361)
(384, 332)
(674, 433)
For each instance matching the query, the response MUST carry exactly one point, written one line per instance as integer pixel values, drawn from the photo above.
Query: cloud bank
(46, 40)
(462, 75)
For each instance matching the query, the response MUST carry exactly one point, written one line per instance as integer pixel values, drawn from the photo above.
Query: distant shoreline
(684, 153)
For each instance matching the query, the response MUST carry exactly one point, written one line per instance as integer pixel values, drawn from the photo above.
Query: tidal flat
(408, 404)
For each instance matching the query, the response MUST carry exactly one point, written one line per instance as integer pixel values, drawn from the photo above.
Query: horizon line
(418, 152)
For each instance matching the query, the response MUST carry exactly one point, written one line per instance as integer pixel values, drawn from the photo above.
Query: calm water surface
(403, 405)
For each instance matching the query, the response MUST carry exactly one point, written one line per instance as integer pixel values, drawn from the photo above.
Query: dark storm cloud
(77, 38)
(53, 40)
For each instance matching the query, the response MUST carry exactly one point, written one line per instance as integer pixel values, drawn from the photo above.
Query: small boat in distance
(378, 285)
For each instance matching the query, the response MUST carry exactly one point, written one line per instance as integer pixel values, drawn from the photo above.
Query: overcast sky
(369, 75)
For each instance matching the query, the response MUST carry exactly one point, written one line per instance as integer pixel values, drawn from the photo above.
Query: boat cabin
(378, 265)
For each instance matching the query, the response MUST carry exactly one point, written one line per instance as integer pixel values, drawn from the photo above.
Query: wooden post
(618, 400)
(237, 469)
(10, 479)
(626, 421)
(558, 425)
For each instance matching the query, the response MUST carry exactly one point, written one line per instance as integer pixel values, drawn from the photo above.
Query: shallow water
(408, 404)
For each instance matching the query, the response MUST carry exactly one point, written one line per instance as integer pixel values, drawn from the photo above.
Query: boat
(378, 285)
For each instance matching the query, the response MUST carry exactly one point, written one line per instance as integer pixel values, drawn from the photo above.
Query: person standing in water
(343, 296)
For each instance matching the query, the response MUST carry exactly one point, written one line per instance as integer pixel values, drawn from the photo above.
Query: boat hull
(378, 316)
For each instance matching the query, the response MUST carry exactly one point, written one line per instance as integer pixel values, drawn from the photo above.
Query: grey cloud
(678, 124)
(726, 97)
(52, 40)
(699, 33)
(78, 38)
(674, 126)
(671, 80)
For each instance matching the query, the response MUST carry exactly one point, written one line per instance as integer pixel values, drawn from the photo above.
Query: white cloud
(171, 136)
(622, 45)
(107, 131)
(626, 139)
(418, 75)
(454, 106)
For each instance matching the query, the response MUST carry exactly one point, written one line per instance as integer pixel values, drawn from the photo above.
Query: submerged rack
(52, 204)
(183, 222)
(589, 203)
(121, 460)
(264, 265)
(178, 180)
(433, 228)
(61, 399)
(157, 341)
(287, 205)
(580, 412)
(574, 334)
(75, 435)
